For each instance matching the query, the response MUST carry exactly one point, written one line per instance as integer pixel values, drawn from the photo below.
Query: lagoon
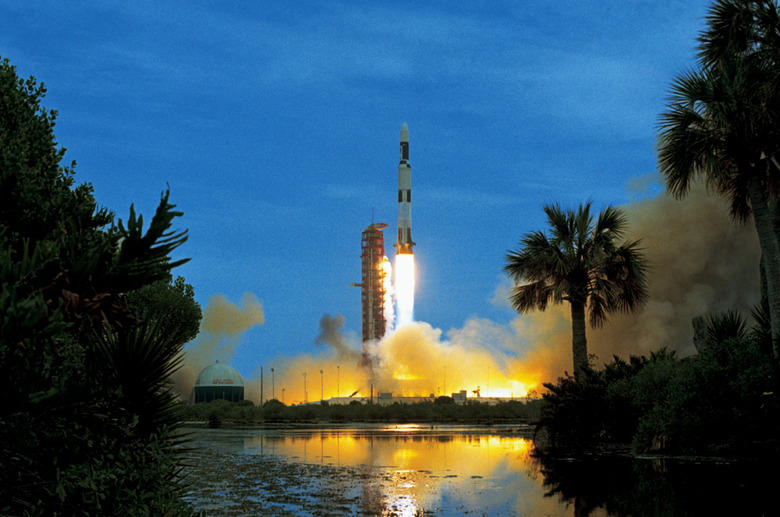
(406, 470)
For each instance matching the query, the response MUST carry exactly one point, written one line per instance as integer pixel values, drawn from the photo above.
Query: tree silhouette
(580, 263)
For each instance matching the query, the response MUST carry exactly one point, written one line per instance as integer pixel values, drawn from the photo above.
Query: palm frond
(538, 258)
(145, 256)
(139, 363)
(724, 326)
(610, 225)
(602, 299)
(627, 268)
(691, 89)
(722, 119)
(533, 296)
(560, 224)
(582, 223)
(590, 267)
(731, 28)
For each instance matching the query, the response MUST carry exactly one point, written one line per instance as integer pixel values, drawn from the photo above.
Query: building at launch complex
(218, 381)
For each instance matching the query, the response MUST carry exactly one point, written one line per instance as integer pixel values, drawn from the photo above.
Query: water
(405, 470)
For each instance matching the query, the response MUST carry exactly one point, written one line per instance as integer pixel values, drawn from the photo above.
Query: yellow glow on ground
(507, 388)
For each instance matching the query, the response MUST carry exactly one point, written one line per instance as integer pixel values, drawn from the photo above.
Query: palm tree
(579, 263)
(722, 123)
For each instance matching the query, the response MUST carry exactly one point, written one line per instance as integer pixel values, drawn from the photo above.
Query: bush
(573, 412)
(217, 412)
(723, 401)
(87, 420)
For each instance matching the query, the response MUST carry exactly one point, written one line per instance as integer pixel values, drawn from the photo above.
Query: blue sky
(276, 125)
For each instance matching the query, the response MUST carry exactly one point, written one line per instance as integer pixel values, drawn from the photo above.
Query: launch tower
(372, 290)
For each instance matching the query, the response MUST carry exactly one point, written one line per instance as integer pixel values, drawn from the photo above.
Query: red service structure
(372, 289)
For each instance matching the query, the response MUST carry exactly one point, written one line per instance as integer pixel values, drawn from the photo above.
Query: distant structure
(372, 289)
(219, 381)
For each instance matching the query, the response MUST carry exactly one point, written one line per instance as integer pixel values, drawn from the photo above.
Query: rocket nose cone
(404, 133)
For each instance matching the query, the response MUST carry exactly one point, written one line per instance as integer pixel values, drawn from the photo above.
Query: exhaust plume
(330, 336)
(404, 288)
(700, 262)
(223, 325)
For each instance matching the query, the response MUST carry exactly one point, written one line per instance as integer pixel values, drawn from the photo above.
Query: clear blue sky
(276, 125)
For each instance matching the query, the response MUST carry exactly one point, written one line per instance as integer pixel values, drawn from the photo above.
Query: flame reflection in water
(419, 467)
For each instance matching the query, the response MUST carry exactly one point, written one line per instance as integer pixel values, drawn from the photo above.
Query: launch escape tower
(372, 289)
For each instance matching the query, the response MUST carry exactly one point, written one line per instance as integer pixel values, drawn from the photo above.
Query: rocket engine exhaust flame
(404, 288)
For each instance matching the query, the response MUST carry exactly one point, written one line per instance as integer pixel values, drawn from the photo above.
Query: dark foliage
(659, 487)
(723, 401)
(171, 305)
(274, 411)
(87, 425)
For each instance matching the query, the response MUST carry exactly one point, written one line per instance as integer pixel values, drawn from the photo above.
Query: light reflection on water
(420, 466)
(399, 448)
(451, 470)
(408, 469)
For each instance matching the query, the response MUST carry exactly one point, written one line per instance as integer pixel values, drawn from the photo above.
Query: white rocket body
(404, 243)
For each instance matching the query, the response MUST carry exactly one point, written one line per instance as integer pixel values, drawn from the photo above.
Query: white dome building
(219, 381)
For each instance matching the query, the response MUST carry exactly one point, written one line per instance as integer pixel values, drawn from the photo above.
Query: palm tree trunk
(763, 217)
(579, 342)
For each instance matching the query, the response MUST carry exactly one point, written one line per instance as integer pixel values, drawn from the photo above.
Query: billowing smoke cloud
(701, 262)
(480, 357)
(330, 336)
(224, 324)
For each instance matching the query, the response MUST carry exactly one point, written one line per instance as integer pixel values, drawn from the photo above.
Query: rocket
(404, 243)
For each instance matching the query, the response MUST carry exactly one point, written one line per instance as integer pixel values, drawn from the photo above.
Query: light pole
(282, 395)
(305, 394)
(322, 387)
(338, 390)
(273, 387)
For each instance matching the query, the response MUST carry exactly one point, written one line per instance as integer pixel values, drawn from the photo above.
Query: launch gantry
(372, 289)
